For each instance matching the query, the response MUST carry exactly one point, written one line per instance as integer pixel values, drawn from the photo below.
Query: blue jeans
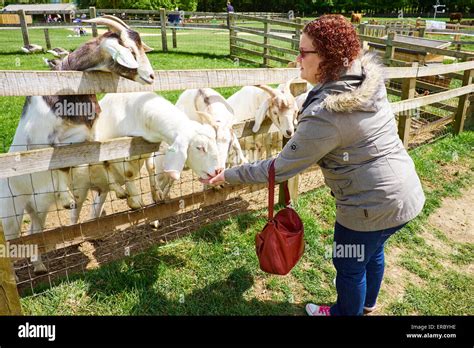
(359, 261)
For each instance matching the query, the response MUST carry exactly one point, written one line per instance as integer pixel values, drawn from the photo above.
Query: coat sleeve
(315, 137)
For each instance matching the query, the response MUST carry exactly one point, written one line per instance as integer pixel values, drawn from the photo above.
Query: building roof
(58, 8)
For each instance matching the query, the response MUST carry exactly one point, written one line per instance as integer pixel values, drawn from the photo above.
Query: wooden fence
(24, 83)
(284, 36)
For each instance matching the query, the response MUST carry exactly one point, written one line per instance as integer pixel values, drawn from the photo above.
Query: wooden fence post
(175, 41)
(362, 31)
(296, 88)
(164, 39)
(232, 35)
(93, 14)
(463, 104)
(46, 38)
(9, 298)
(404, 118)
(297, 34)
(421, 31)
(457, 37)
(266, 51)
(389, 49)
(24, 27)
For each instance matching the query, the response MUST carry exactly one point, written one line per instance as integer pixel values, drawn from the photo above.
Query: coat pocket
(340, 187)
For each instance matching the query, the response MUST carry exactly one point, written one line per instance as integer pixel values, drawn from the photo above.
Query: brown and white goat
(64, 119)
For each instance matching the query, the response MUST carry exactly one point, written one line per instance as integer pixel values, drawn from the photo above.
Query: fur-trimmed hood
(360, 88)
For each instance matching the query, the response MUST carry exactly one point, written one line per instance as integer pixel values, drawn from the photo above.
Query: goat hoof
(122, 195)
(135, 203)
(155, 196)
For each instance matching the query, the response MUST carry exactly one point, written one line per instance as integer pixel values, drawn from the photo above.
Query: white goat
(155, 119)
(206, 105)
(263, 101)
(58, 120)
(258, 102)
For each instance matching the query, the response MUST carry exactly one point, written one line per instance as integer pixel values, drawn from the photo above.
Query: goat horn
(117, 20)
(288, 84)
(200, 93)
(267, 89)
(112, 25)
(146, 47)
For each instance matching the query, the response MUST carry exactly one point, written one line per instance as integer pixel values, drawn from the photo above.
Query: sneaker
(315, 310)
(368, 310)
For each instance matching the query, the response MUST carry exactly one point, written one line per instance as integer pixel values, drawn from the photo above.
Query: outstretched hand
(214, 181)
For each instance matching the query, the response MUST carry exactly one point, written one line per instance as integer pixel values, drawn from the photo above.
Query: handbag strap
(271, 190)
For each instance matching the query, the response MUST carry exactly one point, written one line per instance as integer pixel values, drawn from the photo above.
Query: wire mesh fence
(68, 257)
(430, 122)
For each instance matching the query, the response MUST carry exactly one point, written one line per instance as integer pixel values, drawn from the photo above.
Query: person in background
(230, 9)
(348, 128)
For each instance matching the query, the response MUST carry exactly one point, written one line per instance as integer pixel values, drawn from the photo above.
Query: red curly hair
(336, 42)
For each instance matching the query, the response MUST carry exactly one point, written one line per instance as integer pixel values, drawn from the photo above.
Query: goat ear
(146, 48)
(206, 118)
(260, 115)
(227, 105)
(121, 55)
(176, 157)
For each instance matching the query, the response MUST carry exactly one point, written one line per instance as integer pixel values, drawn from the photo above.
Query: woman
(346, 126)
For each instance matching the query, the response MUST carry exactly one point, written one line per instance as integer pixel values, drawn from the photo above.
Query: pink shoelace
(325, 310)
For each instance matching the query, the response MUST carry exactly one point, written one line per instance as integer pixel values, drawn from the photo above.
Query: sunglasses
(303, 53)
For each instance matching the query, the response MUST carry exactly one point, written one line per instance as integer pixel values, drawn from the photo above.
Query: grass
(214, 271)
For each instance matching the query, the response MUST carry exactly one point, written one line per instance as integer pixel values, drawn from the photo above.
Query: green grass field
(214, 271)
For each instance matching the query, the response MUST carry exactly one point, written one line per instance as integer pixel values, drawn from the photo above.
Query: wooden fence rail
(22, 82)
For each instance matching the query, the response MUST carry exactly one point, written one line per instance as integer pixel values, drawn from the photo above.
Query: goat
(455, 16)
(45, 121)
(356, 17)
(206, 104)
(262, 101)
(154, 118)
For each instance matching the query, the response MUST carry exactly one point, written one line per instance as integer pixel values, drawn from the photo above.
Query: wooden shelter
(409, 55)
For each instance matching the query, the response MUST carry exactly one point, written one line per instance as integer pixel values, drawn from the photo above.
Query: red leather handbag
(280, 245)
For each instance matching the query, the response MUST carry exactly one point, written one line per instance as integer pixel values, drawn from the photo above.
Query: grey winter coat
(348, 128)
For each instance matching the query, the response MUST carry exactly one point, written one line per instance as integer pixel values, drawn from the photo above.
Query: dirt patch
(455, 220)
(455, 217)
